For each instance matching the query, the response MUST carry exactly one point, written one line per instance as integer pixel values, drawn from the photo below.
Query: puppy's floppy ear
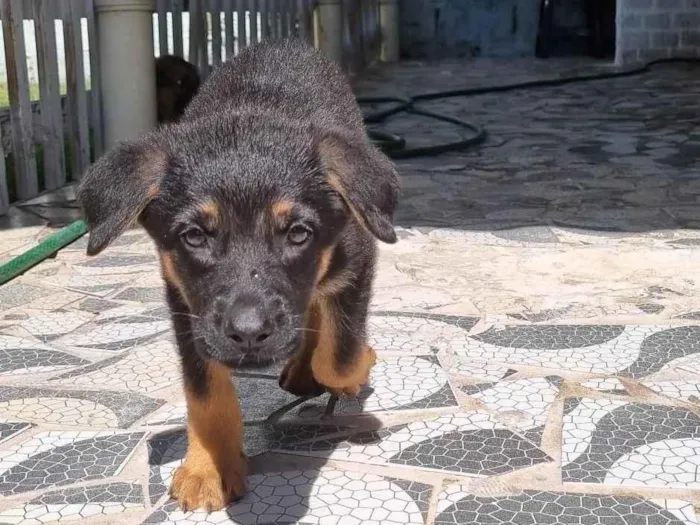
(118, 187)
(366, 180)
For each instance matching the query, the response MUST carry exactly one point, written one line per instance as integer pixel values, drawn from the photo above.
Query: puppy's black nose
(248, 327)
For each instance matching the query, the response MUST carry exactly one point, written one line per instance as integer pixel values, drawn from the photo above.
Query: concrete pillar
(328, 28)
(127, 68)
(389, 23)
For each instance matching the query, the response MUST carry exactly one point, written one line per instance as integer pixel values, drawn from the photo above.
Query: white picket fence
(48, 142)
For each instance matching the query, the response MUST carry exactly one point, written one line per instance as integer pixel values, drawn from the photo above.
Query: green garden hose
(41, 251)
(393, 145)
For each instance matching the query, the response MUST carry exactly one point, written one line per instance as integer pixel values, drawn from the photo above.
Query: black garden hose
(393, 145)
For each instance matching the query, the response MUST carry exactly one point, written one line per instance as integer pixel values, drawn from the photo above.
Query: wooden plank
(230, 32)
(51, 113)
(193, 52)
(216, 31)
(273, 8)
(253, 20)
(75, 83)
(162, 9)
(284, 18)
(178, 44)
(4, 193)
(23, 150)
(263, 8)
(95, 81)
(305, 17)
(241, 35)
(198, 43)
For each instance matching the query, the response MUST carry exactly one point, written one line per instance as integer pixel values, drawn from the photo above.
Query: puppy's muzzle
(249, 323)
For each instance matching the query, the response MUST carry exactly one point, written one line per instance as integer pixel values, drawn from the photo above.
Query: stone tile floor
(538, 328)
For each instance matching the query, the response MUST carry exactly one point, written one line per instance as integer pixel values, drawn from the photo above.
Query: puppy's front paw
(206, 489)
(352, 385)
(298, 379)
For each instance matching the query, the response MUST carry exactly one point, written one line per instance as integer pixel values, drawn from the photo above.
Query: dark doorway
(577, 28)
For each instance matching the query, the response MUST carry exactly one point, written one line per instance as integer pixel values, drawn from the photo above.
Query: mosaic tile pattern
(664, 347)
(101, 408)
(525, 401)
(314, 496)
(166, 451)
(470, 443)
(533, 507)
(23, 356)
(417, 332)
(145, 369)
(677, 389)
(11, 429)
(594, 349)
(44, 461)
(631, 444)
(77, 504)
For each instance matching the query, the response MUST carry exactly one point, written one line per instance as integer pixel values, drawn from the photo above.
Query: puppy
(265, 201)
(177, 82)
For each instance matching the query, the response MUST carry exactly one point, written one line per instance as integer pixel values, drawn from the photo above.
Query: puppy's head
(246, 217)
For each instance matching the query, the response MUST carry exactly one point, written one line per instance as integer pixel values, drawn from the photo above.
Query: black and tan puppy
(264, 201)
(177, 82)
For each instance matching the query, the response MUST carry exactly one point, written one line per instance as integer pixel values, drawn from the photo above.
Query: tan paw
(205, 490)
(359, 378)
(298, 379)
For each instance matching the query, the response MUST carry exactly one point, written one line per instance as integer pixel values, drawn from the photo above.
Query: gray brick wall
(651, 29)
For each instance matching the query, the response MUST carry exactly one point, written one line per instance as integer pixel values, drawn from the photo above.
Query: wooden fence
(55, 145)
(49, 142)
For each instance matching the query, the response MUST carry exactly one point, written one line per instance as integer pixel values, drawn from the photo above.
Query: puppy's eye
(298, 234)
(194, 237)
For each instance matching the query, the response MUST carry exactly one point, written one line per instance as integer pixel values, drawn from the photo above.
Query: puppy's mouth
(215, 346)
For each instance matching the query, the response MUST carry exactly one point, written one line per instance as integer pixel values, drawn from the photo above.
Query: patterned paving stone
(664, 347)
(595, 349)
(525, 401)
(50, 325)
(77, 504)
(16, 294)
(24, 356)
(457, 507)
(470, 443)
(146, 369)
(685, 390)
(396, 383)
(12, 428)
(142, 295)
(315, 496)
(415, 332)
(122, 334)
(166, 451)
(57, 458)
(111, 262)
(483, 371)
(619, 443)
(606, 384)
(102, 409)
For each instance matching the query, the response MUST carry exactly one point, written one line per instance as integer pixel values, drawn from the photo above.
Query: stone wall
(651, 29)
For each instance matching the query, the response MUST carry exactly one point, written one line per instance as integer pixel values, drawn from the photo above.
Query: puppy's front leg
(213, 474)
(342, 359)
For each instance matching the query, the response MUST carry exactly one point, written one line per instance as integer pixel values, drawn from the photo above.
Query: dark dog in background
(177, 82)
(264, 201)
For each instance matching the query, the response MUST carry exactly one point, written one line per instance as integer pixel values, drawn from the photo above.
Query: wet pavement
(538, 328)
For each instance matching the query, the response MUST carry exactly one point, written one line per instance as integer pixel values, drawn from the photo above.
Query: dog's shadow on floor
(283, 487)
